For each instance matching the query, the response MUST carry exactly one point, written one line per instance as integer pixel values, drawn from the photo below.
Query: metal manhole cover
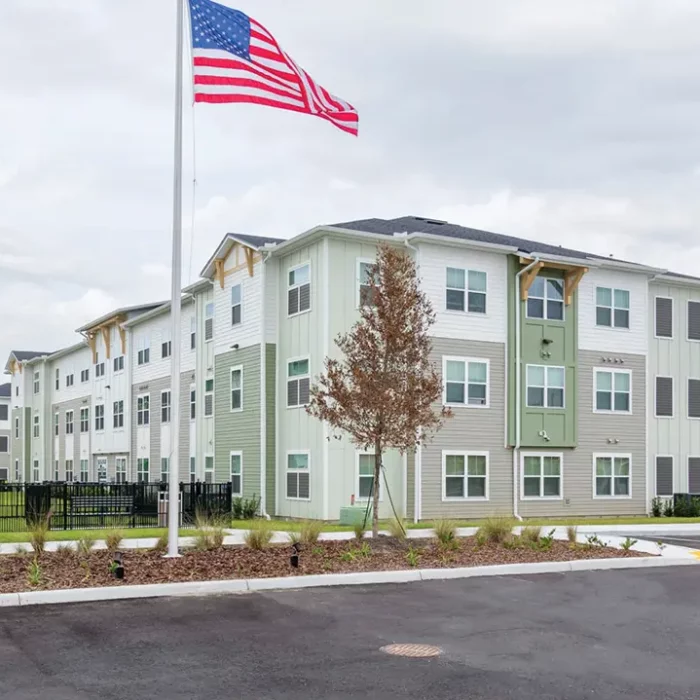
(412, 650)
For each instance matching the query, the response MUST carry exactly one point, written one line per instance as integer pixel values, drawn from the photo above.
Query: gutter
(263, 393)
(518, 371)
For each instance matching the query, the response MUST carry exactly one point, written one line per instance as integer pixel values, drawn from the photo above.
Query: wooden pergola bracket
(528, 278)
(249, 260)
(571, 281)
(122, 337)
(572, 276)
(219, 265)
(106, 341)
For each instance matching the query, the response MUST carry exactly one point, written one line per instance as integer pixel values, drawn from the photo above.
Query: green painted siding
(270, 372)
(560, 425)
(238, 431)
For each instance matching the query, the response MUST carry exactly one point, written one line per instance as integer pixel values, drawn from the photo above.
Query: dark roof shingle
(256, 241)
(24, 355)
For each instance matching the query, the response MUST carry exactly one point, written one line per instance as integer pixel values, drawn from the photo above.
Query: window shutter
(208, 329)
(292, 486)
(664, 396)
(304, 391)
(664, 317)
(694, 320)
(303, 487)
(664, 476)
(694, 475)
(694, 398)
(4, 474)
(208, 404)
(293, 392)
(305, 297)
(293, 301)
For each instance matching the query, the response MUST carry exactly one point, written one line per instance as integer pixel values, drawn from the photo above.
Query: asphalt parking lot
(604, 635)
(682, 541)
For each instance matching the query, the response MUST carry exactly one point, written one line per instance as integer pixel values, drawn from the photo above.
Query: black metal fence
(84, 506)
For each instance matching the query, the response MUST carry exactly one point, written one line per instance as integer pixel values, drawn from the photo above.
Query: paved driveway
(601, 635)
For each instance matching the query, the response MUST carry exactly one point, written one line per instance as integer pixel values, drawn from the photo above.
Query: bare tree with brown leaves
(383, 390)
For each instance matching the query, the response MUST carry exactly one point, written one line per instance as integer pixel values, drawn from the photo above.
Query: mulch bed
(69, 570)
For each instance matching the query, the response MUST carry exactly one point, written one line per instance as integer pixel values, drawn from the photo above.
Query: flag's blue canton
(215, 26)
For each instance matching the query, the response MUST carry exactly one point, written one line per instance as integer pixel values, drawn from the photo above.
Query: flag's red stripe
(205, 97)
(331, 99)
(260, 52)
(261, 37)
(347, 129)
(244, 82)
(236, 64)
(262, 30)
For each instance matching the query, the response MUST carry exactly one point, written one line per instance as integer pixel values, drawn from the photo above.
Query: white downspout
(263, 393)
(516, 447)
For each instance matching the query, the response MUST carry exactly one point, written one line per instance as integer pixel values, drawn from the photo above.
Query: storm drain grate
(416, 651)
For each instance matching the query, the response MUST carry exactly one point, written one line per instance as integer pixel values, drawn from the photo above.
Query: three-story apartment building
(5, 431)
(573, 380)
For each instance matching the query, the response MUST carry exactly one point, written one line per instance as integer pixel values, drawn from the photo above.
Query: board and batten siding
(471, 429)
(593, 337)
(69, 446)
(600, 433)
(676, 358)
(238, 431)
(270, 427)
(433, 262)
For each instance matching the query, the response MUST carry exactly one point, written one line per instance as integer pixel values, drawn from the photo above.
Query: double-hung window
(16, 428)
(143, 410)
(466, 381)
(143, 356)
(612, 476)
(118, 364)
(143, 473)
(465, 475)
(69, 422)
(209, 321)
(164, 469)
(193, 403)
(299, 290)
(236, 305)
(236, 388)
(365, 476)
(37, 383)
(84, 470)
(58, 383)
(100, 369)
(118, 414)
(70, 379)
(663, 398)
(236, 473)
(99, 417)
(69, 470)
(84, 375)
(663, 317)
(297, 383)
(298, 476)
(166, 347)
(193, 332)
(35, 471)
(208, 469)
(209, 397)
(56, 471)
(465, 290)
(56, 423)
(165, 406)
(36, 425)
(84, 420)
(365, 270)
(120, 470)
(545, 386)
(541, 476)
(612, 307)
(613, 391)
(545, 299)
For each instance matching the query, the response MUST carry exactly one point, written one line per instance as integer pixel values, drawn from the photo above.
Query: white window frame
(85, 422)
(36, 473)
(99, 370)
(166, 407)
(211, 471)
(612, 411)
(193, 402)
(70, 380)
(58, 381)
(36, 428)
(546, 387)
(209, 393)
(56, 470)
(166, 349)
(84, 463)
(296, 377)
(193, 468)
(466, 361)
(101, 462)
(545, 317)
(239, 304)
(297, 286)
(358, 279)
(99, 418)
(70, 423)
(17, 472)
(613, 308)
(237, 368)
(143, 411)
(239, 454)
(120, 461)
(143, 347)
(467, 271)
(56, 423)
(522, 495)
(164, 462)
(358, 499)
(139, 470)
(209, 317)
(288, 471)
(37, 383)
(673, 317)
(193, 332)
(69, 470)
(612, 456)
(117, 413)
(673, 394)
(17, 431)
(118, 364)
(466, 477)
(84, 375)
(687, 320)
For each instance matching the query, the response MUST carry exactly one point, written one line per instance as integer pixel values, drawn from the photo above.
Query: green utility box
(352, 515)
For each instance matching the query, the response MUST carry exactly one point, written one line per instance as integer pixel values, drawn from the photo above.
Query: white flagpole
(174, 464)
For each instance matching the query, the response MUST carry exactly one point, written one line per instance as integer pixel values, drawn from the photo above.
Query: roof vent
(436, 222)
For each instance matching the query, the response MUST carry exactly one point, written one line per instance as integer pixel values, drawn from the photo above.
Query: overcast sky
(574, 122)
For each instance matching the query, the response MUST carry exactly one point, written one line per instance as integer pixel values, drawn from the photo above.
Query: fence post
(65, 506)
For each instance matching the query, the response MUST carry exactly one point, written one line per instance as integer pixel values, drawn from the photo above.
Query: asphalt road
(689, 541)
(593, 636)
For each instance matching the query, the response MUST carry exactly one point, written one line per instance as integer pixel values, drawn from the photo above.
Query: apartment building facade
(573, 380)
(5, 431)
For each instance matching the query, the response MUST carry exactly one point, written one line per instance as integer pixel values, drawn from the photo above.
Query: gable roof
(5, 391)
(128, 311)
(229, 240)
(24, 355)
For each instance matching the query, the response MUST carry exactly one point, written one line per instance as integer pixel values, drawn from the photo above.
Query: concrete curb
(206, 588)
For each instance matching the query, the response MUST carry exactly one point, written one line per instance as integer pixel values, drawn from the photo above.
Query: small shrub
(348, 556)
(161, 544)
(39, 529)
(496, 530)
(513, 543)
(359, 529)
(365, 550)
(668, 509)
(446, 532)
(259, 536)
(64, 551)
(531, 534)
(572, 534)
(250, 507)
(34, 573)
(656, 507)
(318, 551)
(628, 544)
(412, 557)
(85, 545)
(114, 540)
(396, 529)
(546, 541)
(310, 531)
(294, 537)
(237, 508)
(217, 536)
(594, 541)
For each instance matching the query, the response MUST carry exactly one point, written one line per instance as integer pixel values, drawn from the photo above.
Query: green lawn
(63, 535)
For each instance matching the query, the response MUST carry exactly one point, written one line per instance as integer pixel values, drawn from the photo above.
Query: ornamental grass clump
(495, 530)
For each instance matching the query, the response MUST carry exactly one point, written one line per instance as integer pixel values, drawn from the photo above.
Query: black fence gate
(79, 506)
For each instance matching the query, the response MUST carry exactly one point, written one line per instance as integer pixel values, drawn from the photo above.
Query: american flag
(237, 60)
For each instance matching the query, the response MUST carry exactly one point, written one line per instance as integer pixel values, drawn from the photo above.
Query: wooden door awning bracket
(122, 337)
(571, 281)
(528, 278)
(249, 260)
(92, 344)
(219, 265)
(572, 277)
(105, 340)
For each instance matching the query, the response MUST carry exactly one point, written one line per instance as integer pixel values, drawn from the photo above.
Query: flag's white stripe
(246, 75)
(253, 92)
(319, 97)
(313, 103)
(276, 63)
(259, 28)
(226, 56)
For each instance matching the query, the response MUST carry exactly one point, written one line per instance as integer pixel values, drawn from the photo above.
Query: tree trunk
(375, 490)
